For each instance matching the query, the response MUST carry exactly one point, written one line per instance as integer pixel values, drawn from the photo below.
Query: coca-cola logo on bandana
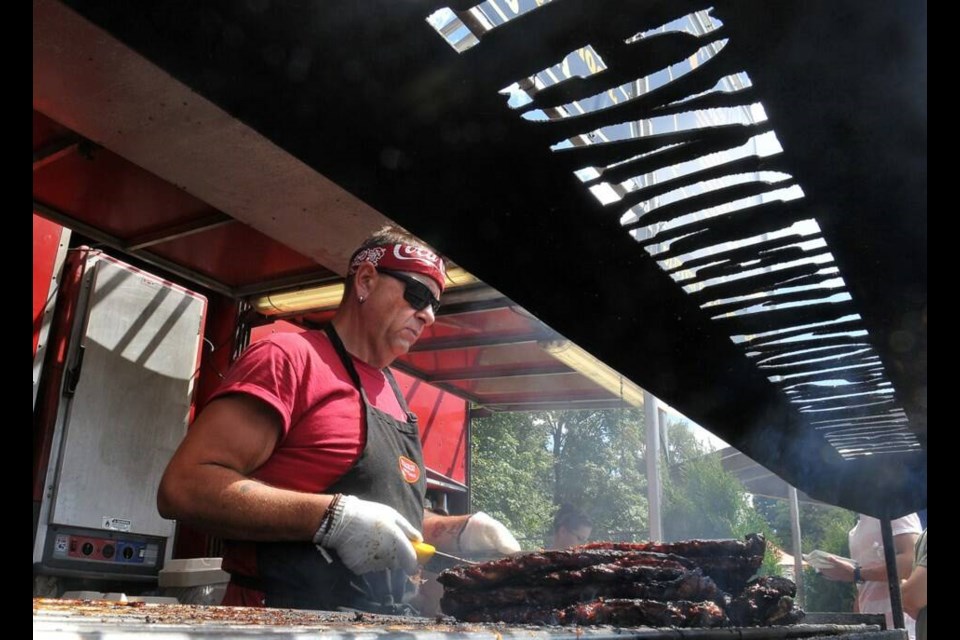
(409, 469)
(402, 257)
(425, 256)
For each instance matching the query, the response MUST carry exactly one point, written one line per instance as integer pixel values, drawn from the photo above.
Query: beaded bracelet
(326, 523)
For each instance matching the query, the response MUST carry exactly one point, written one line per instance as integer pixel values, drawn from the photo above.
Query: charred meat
(689, 585)
(767, 600)
(753, 544)
(620, 612)
(731, 563)
(518, 569)
(694, 583)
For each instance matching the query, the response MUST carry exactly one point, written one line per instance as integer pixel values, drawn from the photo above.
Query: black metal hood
(372, 97)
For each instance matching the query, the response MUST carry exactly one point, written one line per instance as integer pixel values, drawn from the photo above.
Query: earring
(361, 299)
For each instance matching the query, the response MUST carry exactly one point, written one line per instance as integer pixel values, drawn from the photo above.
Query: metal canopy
(757, 479)
(347, 111)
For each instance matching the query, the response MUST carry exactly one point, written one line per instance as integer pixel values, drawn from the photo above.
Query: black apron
(296, 574)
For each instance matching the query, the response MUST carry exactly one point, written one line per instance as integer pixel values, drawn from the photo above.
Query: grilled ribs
(753, 544)
(730, 563)
(690, 585)
(621, 612)
(767, 600)
(677, 584)
(621, 571)
(529, 566)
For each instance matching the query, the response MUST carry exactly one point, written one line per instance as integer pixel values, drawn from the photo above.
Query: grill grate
(54, 619)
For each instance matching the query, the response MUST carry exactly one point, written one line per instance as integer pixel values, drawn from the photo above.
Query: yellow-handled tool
(426, 551)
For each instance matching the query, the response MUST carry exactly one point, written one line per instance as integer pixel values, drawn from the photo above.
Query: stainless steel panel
(129, 410)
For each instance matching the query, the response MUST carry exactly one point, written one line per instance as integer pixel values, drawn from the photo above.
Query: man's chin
(402, 346)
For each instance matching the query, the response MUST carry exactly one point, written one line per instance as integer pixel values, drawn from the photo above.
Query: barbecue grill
(59, 618)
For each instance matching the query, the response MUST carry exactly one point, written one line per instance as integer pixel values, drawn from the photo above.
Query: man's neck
(349, 327)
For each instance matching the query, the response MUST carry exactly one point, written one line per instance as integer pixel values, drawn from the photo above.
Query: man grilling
(307, 460)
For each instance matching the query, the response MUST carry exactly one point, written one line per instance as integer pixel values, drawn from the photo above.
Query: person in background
(571, 527)
(307, 460)
(869, 570)
(914, 588)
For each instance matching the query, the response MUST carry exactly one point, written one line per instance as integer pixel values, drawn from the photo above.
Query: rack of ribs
(688, 585)
(515, 568)
(730, 563)
(767, 600)
(691, 583)
(620, 612)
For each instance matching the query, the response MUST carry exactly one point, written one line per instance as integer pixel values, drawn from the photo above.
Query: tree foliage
(601, 468)
(822, 527)
(511, 473)
(701, 500)
(525, 465)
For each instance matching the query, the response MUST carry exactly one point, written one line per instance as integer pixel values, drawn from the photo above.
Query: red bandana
(402, 257)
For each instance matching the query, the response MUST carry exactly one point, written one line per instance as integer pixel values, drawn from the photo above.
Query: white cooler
(194, 580)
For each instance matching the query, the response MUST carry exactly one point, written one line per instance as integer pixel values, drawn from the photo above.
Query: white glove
(483, 533)
(370, 536)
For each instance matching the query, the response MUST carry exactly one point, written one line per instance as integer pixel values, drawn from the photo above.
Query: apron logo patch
(409, 469)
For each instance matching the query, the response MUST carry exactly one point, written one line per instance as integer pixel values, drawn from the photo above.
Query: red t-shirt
(301, 376)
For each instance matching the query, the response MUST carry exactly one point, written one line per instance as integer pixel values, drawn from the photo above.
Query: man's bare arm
(914, 592)
(903, 545)
(876, 571)
(443, 532)
(207, 483)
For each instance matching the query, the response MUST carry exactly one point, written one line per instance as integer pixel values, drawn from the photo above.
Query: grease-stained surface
(56, 619)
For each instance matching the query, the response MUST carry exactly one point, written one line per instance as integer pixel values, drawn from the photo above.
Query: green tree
(599, 466)
(511, 475)
(826, 527)
(524, 466)
(821, 527)
(701, 500)
(681, 445)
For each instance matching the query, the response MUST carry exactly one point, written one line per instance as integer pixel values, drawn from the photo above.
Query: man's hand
(840, 570)
(370, 536)
(483, 533)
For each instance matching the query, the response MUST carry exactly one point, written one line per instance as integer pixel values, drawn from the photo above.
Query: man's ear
(364, 279)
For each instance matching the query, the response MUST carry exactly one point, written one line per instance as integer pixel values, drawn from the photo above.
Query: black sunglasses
(414, 291)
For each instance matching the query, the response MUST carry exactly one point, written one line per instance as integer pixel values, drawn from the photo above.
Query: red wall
(46, 243)
(443, 416)
(443, 425)
(48, 396)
